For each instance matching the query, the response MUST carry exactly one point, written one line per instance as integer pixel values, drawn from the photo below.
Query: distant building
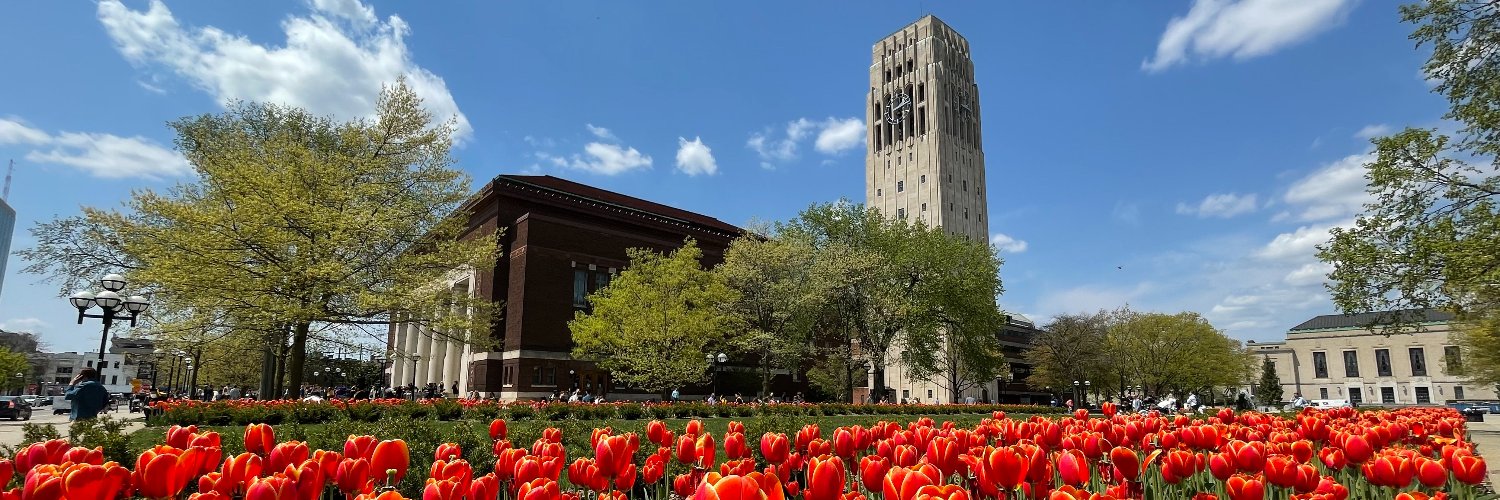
(560, 241)
(1014, 340)
(1348, 357)
(23, 342)
(54, 370)
(7, 230)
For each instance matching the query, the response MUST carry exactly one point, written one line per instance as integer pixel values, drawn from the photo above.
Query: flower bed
(246, 411)
(1407, 454)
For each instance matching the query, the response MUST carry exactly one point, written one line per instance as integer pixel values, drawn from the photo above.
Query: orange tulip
(943, 453)
(656, 432)
(443, 489)
(360, 447)
(825, 478)
(1242, 487)
(584, 472)
(352, 475)
(457, 471)
(806, 435)
(447, 451)
(715, 487)
(202, 495)
(774, 447)
(705, 450)
(1332, 458)
(1221, 465)
(611, 454)
(163, 471)
(384, 495)
(288, 453)
(1431, 472)
(389, 461)
(902, 483)
(687, 450)
(1126, 463)
(654, 469)
(43, 487)
(259, 439)
(872, 469)
(944, 492)
(505, 463)
(485, 487)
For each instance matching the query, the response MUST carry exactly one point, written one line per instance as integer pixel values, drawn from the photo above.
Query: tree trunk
(267, 373)
(296, 357)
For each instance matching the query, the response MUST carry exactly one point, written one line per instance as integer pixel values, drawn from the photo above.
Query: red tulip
(284, 454)
(1221, 465)
(654, 469)
(843, 442)
(902, 483)
(1242, 487)
(352, 475)
(774, 447)
(202, 495)
(735, 447)
(687, 450)
(1005, 467)
(259, 439)
(1281, 470)
(705, 450)
(625, 478)
(694, 428)
(1468, 469)
(584, 472)
(384, 495)
(739, 467)
(539, 489)
(1431, 472)
(389, 461)
(1389, 470)
(7, 470)
(447, 451)
(1073, 467)
(808, 433)
(1332, 458)
(505, 463)
(1357, 448)
(1126, 463)
(825, 478)
(179, 437)
(611, 454)
(1109, 409)
(485, 487)
(163, 471)
(497, 430)
(458, 471)
(715, 487)
(943, 453)
(1302, 450)
(276, 487)
(360, 447)
(872, 469)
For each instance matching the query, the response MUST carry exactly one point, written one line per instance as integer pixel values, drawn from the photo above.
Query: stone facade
(560, 241)
(1344, 357)
(925, 161)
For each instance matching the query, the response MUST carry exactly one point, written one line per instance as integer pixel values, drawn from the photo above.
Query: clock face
(963, 100)
(900, 104)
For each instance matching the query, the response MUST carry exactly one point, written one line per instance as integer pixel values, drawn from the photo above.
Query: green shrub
(447, 409)
(631, 412)
(520, 412)
(105, 433)
(556, 411)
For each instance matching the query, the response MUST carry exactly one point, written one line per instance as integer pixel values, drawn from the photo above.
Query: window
(1452, 359)
(1424, 396)
(877, 192)
(924, 178)
(900, 213)
(905, 394)
(1388, 395)
(929, 394)
(1323, 393)
(117, 365)
(966, 213)
(580, 288)
(601, 280)
(114, 379)
(1356, 397)
(551, 375)
(1383, 362)
(89, 364)
(61, 380)
(924, 207)
(64, 369)
(1320, 365)
(966, 186)
(536, 375)
(900, 186)
(1351, 364)
(1418, 361)
(1458, 392)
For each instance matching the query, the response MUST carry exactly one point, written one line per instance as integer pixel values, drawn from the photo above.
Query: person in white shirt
(1298, 402)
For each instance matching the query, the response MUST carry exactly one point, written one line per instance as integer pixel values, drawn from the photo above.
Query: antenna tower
(6, 195)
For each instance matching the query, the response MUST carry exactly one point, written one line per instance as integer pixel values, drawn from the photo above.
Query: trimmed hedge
(241, 412)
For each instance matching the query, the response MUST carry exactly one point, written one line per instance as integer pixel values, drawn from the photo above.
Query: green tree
(963, 303)
(1268, 392)
(12, 363)
(651, 327)
(294, 222)
(1175, 353)
(1071, 347)
(1428, 238)
(776, 300)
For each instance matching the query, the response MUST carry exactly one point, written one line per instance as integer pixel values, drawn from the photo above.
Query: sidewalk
(1486, 437)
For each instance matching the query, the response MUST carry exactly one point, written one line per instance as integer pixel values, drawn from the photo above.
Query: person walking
(89, 396)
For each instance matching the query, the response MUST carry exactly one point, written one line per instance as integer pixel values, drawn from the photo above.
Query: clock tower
(924, 161)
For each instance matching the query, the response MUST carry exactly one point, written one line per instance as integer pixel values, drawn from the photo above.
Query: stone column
(453, 358)
(398, 354)
(409, 353)
(437, 352)
(424, 353)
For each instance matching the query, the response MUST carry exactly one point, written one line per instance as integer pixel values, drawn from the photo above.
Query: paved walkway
(11, 434)
(1486, 437)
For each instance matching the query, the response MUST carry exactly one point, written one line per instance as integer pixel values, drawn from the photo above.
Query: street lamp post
(1076, 388)
(110, 303)
(1087, 386)
(716, 364)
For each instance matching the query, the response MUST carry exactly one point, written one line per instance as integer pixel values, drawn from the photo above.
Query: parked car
(15, 408)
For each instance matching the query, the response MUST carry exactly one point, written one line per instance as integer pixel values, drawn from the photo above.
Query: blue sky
(1175, 155)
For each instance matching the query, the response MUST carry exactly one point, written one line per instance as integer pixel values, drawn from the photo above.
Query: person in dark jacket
(89, 397)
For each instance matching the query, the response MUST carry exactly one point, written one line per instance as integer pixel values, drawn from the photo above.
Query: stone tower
(925, 162)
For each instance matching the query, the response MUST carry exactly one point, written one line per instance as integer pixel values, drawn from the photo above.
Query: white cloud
(12, 131)
(333, 62)
(1372, 131)
(834, 136)
(1334, 191)
(694, 157)
(1243, 29)
(101, 155)
(1129, 213)
(1298, 245)
(838, 135)
(1006, 243)
(1311, 273)
(601, 132)
(30, 325)
(1220, 205)
(604, 158)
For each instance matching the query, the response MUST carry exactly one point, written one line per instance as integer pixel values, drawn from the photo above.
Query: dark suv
(15, 408)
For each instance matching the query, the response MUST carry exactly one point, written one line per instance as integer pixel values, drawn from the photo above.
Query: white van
(61, 405)
(1324, 404)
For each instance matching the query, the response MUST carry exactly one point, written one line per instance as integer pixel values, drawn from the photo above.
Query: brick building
(560, 241)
